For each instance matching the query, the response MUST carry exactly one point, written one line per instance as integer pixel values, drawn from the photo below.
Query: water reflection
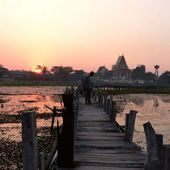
(45, 90)
(153, 108)
(14, 100)
(156, 103)
(137, 101)
(17, 103)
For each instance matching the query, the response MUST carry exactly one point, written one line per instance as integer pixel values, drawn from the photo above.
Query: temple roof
(121, 63)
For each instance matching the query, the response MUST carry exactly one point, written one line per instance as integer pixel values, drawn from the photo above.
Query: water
(14, 100)
(152, 108)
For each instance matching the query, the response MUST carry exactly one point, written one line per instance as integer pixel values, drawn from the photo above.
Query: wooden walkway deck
(99, 145)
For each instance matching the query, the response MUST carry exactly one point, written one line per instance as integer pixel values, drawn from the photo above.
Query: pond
(152, 108)
(14, 100)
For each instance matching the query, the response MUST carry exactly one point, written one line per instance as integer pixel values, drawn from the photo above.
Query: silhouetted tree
(139, 72)
(77, 75)
(62, 74)
(165, 78)
(44, 72)
(149, 76)
(3, 70)
(43, 69)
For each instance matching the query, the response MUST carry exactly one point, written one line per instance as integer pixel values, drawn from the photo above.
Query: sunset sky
(84, 34)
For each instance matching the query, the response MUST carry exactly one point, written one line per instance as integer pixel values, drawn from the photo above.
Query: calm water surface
(152, 108)
(14, 100)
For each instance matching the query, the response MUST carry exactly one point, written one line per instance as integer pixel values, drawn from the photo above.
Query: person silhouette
(88, 87)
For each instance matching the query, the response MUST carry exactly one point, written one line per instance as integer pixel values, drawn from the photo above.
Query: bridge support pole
(29, 141)
(66, 144)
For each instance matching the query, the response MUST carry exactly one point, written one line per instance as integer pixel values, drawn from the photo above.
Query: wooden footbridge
(99, 143)
(91, 139)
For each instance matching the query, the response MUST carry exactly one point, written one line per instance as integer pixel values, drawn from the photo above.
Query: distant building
(102, 70)
(121, 70)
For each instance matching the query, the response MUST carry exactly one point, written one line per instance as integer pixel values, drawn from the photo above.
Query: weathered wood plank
(100, 145)
(100, 167)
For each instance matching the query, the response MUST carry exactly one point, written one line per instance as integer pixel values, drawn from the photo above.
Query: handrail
(157, 154)
(64, 140)
(109, 106)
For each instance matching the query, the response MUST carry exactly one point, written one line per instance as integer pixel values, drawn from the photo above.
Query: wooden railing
(158, 154)
(106, 102)
(126, 89)
(67, 138)
(63, 146)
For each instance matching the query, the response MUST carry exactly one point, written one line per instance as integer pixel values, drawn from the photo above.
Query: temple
(121, 70)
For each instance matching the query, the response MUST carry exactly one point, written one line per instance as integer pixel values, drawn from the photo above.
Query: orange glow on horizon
(84, 34)
(38, 71)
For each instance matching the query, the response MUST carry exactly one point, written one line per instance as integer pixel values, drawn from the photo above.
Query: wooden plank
(100, 145)
(100, 167)
(127, 165)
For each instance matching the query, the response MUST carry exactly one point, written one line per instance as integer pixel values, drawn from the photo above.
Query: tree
(43, 73)
(3, 70)
(165, 77)
(42, 69)
(77, 75)
(62, 74)
(139, 72)
(149, 76)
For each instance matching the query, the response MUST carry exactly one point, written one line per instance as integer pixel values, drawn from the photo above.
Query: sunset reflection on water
(20, 99)
(14, 104)
(152, 108)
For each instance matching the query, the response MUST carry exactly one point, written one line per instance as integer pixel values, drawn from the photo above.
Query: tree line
(66, 74)
(58, 74)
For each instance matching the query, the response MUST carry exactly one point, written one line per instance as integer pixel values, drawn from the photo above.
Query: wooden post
(41, 161)
(99, 100)
(105, 102)
(159, 139)
(100, 103)
(66, 145)
(166, 157)
(112, 111)
(131, 125)
(102, 100)
(126, 125)
(58, 134)
(76, 109)
(53, 118)
(110, 105)
(107, 106)
(152, 161)
(29, 141)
